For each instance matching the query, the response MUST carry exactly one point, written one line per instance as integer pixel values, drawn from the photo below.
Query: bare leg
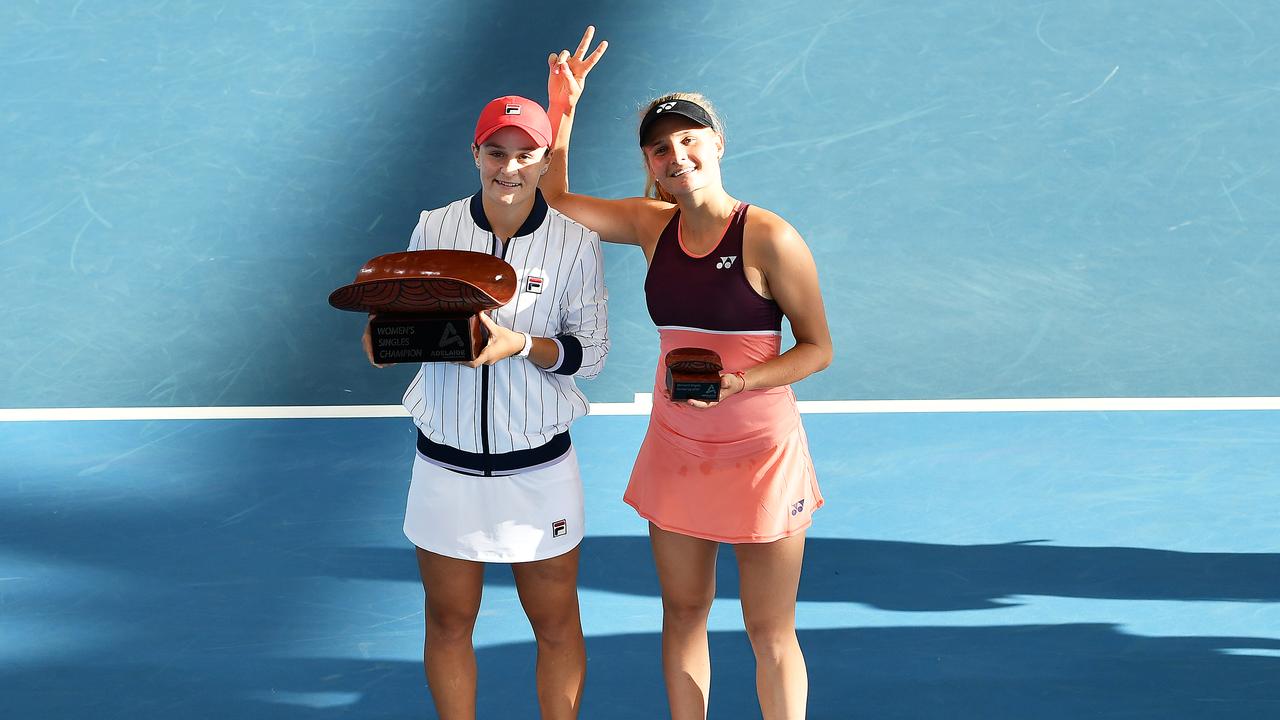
(453, 588)
(687, 573)
(770, 575)
(548, 591)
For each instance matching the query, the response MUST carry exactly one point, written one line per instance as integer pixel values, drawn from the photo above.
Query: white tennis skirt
(529, 516)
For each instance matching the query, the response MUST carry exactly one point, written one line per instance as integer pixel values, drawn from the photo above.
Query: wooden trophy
(693, 374)
(426, 303)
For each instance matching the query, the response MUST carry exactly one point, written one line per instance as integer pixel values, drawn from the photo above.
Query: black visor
(691, 110)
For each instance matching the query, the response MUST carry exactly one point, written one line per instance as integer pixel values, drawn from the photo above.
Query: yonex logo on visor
(691, 110)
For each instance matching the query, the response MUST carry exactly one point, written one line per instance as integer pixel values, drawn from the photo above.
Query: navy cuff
(571, 355)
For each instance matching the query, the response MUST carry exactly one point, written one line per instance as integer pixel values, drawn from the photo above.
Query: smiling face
(510, 163)
(682, 155)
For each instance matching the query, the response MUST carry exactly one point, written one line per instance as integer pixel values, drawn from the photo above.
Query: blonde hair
(651, 187)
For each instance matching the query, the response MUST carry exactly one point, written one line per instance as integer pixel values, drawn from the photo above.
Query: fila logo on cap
(511, 109)
(726, 262)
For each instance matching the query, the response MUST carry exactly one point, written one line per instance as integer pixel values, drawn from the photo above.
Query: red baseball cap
(514, 111)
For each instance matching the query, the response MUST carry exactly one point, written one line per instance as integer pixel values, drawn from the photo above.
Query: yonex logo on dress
(512, 109)
(797, 508)
(726, 262)
(450, 337)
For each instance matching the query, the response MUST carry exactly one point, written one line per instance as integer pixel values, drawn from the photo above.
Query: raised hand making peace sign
(567, 73)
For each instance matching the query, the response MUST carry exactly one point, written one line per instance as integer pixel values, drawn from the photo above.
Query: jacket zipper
(486, 407)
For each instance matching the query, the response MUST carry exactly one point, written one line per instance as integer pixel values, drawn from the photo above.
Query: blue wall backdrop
(1006, 199)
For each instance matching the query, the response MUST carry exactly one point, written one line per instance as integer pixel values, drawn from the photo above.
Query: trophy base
(426, 338)
(700, 386)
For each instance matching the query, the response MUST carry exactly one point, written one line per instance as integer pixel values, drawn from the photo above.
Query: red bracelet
(743, 376)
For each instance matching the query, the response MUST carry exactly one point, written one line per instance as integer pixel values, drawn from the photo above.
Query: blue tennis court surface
(1005, 200)
(993, 565)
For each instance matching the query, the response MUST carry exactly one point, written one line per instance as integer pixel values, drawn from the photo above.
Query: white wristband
(528, 345)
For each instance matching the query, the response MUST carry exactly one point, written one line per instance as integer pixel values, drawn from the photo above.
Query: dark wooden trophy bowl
(427, 303)
(693, 374)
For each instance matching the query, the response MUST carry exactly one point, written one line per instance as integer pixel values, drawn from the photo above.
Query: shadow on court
(927, 577)
(179, 617)
(980, 673)
(220, 570)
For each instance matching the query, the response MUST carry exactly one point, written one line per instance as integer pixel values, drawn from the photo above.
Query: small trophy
(427, 303)
(693, 374)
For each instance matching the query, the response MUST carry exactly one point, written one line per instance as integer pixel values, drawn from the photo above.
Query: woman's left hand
(731, 383)
(503, 343)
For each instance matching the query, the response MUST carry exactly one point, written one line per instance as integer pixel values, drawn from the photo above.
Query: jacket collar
(531, 223)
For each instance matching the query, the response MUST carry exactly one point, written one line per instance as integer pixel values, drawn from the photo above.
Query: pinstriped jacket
(514, 416)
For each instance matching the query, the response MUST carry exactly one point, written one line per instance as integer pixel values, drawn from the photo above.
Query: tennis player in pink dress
(722, 275)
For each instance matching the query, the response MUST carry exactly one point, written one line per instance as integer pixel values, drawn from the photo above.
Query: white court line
(643, 401)
(1041, 405)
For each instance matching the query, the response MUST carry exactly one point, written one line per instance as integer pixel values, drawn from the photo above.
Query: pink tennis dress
(738, 472)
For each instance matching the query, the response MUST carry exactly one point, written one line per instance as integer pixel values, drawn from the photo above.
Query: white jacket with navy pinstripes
(514, 416)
